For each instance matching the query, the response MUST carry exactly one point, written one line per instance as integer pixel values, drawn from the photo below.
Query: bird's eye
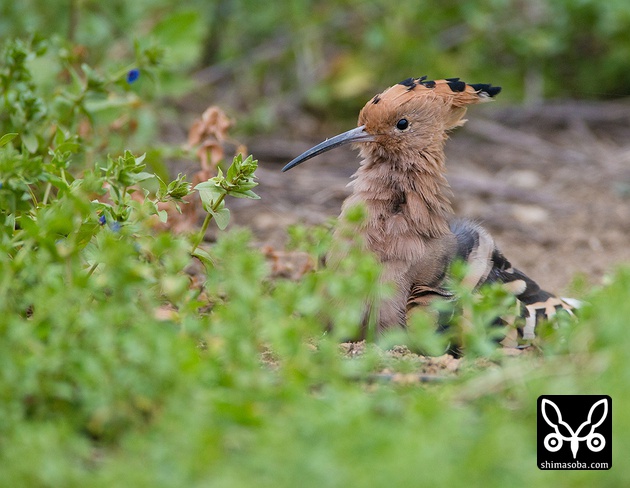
(402, 124)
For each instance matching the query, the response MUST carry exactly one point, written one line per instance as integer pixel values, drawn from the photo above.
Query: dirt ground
(552, 185)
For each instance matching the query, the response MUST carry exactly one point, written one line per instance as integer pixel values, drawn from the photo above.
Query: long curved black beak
(354, 135)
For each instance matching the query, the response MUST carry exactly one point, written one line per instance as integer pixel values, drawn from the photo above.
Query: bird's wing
(487, 264)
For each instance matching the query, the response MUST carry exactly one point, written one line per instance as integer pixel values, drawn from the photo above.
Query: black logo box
(571, 432)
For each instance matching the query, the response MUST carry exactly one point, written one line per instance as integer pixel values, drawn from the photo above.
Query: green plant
(238, 182)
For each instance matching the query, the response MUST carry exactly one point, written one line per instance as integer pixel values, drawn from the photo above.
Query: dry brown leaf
(209, 133)
(209, 154)
(213, 123)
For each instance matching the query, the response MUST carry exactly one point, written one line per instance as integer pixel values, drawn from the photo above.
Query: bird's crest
(458, 94)
(426, 108)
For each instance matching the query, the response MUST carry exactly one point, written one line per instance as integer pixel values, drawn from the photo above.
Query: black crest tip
(488, 89)
(456, 86)
(409, 82)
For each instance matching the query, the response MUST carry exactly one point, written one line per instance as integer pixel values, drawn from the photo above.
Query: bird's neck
(406, 195)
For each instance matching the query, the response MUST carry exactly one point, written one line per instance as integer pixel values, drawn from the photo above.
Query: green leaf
(143, 176)
(222, 217)
(204, 257)
(207, 185)
(162, 215)
(139, 159)
(244, 194)
(247, 185)
(214, 191)
(30, 142)
(68, 146)
(5, 139)
(209, 196)
(233, 170)
(162, 189)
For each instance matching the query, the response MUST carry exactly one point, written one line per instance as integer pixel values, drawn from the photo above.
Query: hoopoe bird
(410, 224)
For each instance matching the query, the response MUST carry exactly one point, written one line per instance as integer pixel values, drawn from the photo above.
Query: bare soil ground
(552, 185)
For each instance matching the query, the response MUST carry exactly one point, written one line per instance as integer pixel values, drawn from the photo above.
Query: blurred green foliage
(576, 49)
(115, 371)
(333, 55)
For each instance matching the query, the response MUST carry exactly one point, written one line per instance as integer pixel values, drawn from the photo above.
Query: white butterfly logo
(594, 441)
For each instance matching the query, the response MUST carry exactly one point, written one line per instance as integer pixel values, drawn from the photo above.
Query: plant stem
(63, 176)
(33, 197)
(206, 222)
(202, 233)
(46, 194)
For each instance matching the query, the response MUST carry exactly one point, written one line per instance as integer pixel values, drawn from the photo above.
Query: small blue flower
(133, 75)
(102, 219)
(115, 226)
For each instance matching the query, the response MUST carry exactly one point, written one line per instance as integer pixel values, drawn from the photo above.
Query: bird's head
(408, 117)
